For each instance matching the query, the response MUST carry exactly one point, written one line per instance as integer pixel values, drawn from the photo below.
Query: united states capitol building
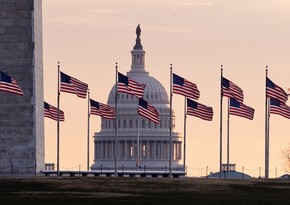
(154, 143)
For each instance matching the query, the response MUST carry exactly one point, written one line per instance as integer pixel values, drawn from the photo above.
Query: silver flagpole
(228, 139)
(266, 130)
(170, 124)
(221, 124)
(184, 138)
(116, 121)
(88, 146)
(138, 143)
(58, 99)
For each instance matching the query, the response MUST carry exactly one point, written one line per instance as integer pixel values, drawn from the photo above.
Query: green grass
(110, 190)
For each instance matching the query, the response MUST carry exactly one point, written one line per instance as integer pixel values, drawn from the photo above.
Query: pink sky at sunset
(197, 37)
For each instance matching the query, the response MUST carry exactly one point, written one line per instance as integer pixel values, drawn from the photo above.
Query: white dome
(154, 92)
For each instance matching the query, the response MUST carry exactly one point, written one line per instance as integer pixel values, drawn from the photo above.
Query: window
(125, 123)
(130, 123)
(119, 123)
(143, 123)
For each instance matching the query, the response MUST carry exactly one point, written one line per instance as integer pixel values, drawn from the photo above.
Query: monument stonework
(21, 118)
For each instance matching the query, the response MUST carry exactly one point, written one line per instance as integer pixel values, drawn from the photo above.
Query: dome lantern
(138, 54)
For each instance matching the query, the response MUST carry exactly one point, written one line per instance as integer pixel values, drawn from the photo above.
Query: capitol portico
(154, 143)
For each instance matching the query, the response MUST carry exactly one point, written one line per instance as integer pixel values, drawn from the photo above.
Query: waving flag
(274, 91)
(71, 85)
(279, 108)
(184, 87)
(8, 84)
(148, 111)
(199, 110)
(127, 85)
(240, 109)
(231, 90)
(51, 112)
(102, 110)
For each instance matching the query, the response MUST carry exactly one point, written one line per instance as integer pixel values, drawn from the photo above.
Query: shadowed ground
(110, 190)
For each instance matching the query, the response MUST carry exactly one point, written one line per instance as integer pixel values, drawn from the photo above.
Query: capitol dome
(153, 138)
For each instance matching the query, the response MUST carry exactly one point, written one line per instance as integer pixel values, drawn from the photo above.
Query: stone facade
(21, 118)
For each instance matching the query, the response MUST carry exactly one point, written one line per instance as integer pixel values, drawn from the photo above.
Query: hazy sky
(197, 37)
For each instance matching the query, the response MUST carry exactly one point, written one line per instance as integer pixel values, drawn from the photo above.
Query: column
(154, 150)
(126, 149)
(147, 150)
(161, 150)
(106, 151)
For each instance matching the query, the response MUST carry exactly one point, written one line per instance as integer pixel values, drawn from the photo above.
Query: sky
(196, 37)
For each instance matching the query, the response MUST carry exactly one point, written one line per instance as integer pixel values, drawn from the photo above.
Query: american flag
(71, 85)
(240, 109)
(274, 91)
(184, 87)
(231, 90)
(148, 111)
(8, 84)
(199, 110)
(127, 85)
(279, 108)
(51, 112)
(103, 110)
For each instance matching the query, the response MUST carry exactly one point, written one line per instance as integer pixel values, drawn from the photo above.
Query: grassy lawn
(110, 190)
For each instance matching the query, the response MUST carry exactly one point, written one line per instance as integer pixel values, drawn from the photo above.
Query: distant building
(154, 138)
(232, 174)
(21, 118)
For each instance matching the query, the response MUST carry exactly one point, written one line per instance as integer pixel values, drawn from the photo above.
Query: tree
(286, 156)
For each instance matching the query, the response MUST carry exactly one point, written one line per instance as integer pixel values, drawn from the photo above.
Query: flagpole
(170, 124)
(184, 138)
(266, 130)
(116, 120)
(58, 100)
(228, 139)
(138, 142)
(221, 125)
(88, 145)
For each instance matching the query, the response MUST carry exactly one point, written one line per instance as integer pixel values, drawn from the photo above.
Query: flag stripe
(148, 111)
(241, 110)
(102, 110)
(199, 110)
(51, 112)
(72, 85)
(184, 87)
(8, 84)
(229, 89)
(274, 91)
(279, 108)
(127, 85)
